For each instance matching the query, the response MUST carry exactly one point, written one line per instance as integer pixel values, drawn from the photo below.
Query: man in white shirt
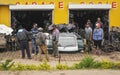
(88, 36)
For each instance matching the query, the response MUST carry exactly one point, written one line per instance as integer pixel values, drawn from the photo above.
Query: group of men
(94, 35)
(38, 41)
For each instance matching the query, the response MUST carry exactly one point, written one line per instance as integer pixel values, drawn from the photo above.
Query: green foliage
(31, 67)
(107, 65)
(62, 67)
(20, 67)
(13, 68)
(6, 65)
(117, 65)
(44, 66)
(87, 62)
(96, 65)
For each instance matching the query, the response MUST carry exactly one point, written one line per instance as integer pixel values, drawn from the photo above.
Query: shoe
(23, 57)
(37, 54)
(33, 54)
(47, 60)
(82, 51)
(53, 55)
(56, 56)
(96, 52)
(40, 59)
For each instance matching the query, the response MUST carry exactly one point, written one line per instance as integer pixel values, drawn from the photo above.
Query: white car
(67, 42)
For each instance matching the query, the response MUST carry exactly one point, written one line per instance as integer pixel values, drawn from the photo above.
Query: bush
(31, 67)
(97, 65)
(117, 65)
(44, 66)
(107, 65)
(62, 67)
(87, 62)
(20, 67)
(6, 65)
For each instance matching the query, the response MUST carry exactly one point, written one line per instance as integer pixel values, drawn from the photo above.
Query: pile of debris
(7, 39)
(113, 44)
(5, 30)
(2, 41)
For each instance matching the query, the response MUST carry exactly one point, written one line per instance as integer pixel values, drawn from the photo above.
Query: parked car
(67, 42)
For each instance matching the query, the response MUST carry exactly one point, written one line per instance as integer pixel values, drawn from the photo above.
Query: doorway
(80, 18)
(26, 18)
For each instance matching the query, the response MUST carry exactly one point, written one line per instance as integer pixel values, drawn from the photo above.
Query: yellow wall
(60, 14)
(4, 15)
(114, 14)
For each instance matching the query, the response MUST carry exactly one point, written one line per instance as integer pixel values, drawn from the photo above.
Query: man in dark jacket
(22, 36)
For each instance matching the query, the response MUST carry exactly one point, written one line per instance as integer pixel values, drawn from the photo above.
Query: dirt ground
(68, 58)
(68, 72)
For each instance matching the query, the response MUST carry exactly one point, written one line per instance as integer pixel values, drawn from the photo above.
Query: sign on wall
(61, 3)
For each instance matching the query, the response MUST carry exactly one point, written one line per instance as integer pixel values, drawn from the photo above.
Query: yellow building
(60, 9)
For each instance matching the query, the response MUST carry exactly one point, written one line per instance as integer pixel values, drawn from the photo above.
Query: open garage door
(26, 15)
(81, 13)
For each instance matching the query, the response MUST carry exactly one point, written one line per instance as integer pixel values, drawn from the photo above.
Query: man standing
(22, 36)
(55, 38)
(98, 36)
(99, 21)
(41, 42)
(90, 23)
(34, 31)
(88, 36)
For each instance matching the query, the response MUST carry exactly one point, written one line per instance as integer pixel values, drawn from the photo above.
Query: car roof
(68, 35)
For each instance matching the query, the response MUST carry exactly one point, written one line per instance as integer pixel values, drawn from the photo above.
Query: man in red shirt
(55, 39)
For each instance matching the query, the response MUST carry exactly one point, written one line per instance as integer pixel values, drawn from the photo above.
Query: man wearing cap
(55, 39)
(34, 31)
(41, 42)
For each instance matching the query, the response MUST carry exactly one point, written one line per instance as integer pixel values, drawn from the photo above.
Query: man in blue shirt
(34, 31)
(98, 35)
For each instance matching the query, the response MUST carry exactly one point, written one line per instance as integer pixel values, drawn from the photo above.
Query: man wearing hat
(41, 42)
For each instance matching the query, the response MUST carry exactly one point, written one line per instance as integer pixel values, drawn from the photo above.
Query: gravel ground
(68, 72)
(68, 58)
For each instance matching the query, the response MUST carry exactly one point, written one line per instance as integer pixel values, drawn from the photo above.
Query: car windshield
(67, 41)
